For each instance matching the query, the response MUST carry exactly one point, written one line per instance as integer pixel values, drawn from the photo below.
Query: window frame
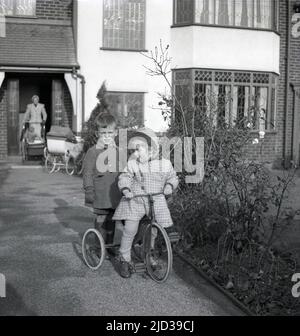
(18, 15)
(192, 21)
(123, 94)
(103, 47)
(189, 81)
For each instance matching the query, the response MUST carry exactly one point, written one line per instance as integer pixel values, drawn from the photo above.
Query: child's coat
(143, 178)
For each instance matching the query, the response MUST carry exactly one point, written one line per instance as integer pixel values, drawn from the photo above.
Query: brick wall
(3, 121)
(54, 9)
(68, 107)
(272, 148)
(294, 77)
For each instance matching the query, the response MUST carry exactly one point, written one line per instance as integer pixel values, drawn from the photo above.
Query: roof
(37, 45)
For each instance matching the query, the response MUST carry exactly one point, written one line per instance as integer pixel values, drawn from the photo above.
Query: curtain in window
(223, 14)
(263, 10)
(240, 103)
(184, 11)
(261, 104)
(244, 17)
(204, 11)
(258, 12)
(223, 103)
(244, 13)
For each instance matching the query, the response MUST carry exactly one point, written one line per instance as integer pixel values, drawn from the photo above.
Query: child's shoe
(124, 268)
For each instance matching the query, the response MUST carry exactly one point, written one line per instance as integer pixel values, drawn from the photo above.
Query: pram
(62, 145)
(31, 145)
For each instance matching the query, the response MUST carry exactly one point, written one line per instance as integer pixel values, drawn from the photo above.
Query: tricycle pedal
(140, 267)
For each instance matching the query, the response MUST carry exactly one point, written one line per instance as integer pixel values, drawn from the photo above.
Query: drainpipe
(287, 84)
(76, 75)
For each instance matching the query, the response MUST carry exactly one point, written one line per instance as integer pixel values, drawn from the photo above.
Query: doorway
(21, 88)
(36, 85)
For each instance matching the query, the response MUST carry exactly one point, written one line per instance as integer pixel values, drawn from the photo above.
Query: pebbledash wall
(123, 70)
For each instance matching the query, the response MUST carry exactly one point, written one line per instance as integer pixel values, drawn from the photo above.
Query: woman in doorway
(35, 115)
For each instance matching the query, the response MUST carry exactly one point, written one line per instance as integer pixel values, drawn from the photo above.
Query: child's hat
(149, 135)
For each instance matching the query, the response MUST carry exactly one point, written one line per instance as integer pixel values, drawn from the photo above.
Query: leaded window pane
(7, 7)
(124, 24)
(201, 75)
(223, 97)
(25, 7)
(242, 98)
(127, 107)
(202, 96)
(18, 7)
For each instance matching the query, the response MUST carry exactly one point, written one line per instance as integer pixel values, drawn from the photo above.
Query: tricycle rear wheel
(93, 249)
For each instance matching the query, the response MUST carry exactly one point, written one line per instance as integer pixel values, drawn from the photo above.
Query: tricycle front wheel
(157, 252)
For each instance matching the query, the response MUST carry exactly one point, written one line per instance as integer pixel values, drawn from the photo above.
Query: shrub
(229, 222)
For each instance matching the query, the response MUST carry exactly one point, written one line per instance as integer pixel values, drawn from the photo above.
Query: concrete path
(42, 220)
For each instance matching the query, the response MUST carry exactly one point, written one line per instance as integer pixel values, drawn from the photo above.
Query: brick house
(37, 56)
(247, 50)
(238, 49)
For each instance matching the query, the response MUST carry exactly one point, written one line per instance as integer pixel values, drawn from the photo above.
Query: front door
(13, 117)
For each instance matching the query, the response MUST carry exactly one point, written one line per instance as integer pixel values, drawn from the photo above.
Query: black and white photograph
(149, 160)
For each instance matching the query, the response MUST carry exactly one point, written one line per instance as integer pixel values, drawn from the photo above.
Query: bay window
(256, 14)
(234, 97)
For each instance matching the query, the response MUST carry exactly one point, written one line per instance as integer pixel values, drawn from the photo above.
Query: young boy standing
(100, 186)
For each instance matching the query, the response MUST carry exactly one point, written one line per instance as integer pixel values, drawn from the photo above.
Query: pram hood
(61, 132)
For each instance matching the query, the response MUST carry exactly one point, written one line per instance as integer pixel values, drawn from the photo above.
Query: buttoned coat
(104, 185)
(143, 178)
(35, 113)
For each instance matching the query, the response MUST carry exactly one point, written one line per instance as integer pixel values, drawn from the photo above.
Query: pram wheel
(93, 249)
(50, 163)
(70, 166)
